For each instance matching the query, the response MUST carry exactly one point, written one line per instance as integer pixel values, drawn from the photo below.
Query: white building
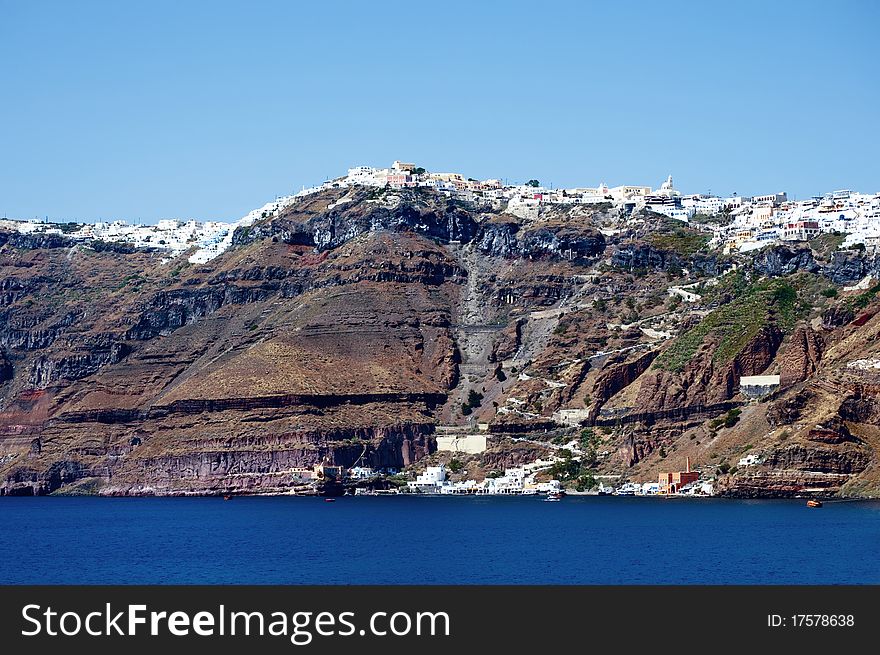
(755, 386)
(471, 444)
(773, 198)
(752, 459)
(361, 472)
(430, 481)
(512, 482)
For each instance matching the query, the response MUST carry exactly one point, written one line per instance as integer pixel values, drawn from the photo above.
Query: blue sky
(145, 110)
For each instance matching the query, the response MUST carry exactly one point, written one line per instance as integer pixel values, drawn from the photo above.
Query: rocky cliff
(344, 329)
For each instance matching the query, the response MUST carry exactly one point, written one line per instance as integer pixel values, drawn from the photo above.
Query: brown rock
(802, 356)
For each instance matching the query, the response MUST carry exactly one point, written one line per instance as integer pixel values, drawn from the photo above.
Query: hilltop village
(396, 330)
(736, 223)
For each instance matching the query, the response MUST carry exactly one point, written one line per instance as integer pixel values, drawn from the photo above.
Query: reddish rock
(802, 356)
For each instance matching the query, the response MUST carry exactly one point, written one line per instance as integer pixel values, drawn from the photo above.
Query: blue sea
(436, 540)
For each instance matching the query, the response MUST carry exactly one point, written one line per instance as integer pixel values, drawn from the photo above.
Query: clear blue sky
(207, 109)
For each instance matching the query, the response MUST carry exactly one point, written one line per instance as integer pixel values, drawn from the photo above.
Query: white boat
(628, 489)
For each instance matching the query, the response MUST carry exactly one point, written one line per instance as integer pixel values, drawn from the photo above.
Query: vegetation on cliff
(735, 324)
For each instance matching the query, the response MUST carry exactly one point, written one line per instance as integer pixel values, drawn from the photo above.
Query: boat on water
(329, 500)
(814, 503)
(376, 492)
(553, 496)
(628, 489)
(227, 497)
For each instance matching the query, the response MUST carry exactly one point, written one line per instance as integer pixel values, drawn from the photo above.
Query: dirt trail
(475, 333)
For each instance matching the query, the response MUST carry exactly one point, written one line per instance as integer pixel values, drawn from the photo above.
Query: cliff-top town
(749, 222)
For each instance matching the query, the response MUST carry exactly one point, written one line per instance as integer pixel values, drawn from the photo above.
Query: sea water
(436, 540)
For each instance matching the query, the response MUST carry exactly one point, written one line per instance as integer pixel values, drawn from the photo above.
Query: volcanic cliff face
(327, 334)
(346, 327)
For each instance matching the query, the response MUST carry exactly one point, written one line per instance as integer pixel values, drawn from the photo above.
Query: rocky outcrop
(564, 242)
(520, 425)
(706, 265)
(509, 454)
(13, 289)
(784, 260)
(49, 241)
(860, 408)
(832, 431)
(781, 484)
(817, 459)
(848, 267)
(33, 482)
(498, 239)
(508, 341)
(820, 468)
(802, 356)
(169, 310)
(412, 211)
(632, 256)
(35, 240)
(837, 315)
(786, 411)
(617, 376)
(46, 371)
(844, 266)
(23, 337)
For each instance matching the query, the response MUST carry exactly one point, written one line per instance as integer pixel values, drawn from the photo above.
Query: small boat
(227, 497)
(814, 503)
(329, 500)
(553, 496)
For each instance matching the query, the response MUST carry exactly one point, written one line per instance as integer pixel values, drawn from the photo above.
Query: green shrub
(585, 482)
(864, 299)
(732, 418)
(680, 239)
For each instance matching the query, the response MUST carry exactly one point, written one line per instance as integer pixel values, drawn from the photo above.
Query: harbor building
(430, 481)
(672, 482)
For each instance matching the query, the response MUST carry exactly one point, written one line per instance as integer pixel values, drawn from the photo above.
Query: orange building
(671, 483)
